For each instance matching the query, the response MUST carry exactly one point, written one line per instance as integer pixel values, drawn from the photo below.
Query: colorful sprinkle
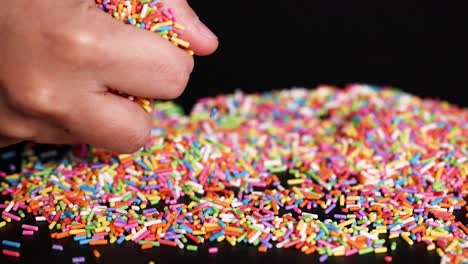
(328, 171)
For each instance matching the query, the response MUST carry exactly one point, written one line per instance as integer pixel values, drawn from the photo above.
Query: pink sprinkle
(351, 252)
(28, 232)
(30, 227)
(213, 250)
(12, 216)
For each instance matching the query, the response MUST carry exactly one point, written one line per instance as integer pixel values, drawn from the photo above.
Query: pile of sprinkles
(333, 172)
(149, 15)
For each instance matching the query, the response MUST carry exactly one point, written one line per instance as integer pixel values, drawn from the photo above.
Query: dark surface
(276, 44)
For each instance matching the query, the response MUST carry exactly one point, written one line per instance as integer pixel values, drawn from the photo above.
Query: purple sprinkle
(330, 208)
(323, 258)
(340, 216)
(411, 227)
(268, 218)
(78, 260)
(57, 247)
(369, 243)
(149, 211)
(290, 231)
(153, 3)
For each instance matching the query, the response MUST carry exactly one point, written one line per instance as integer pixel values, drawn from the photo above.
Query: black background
(420, 46)
(265, 45)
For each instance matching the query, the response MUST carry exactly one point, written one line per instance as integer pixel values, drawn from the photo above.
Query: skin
(56, 68)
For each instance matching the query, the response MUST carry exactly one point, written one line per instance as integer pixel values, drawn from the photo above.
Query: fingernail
(203, 30)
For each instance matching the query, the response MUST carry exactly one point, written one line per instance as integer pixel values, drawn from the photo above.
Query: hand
(58, 59)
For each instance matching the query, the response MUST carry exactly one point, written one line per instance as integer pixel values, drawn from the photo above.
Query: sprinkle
(388, 259)
(213, 112)
(192, 248)
(253, 174)
(78, 259)
(323, 258)
(10, 253)
(393, 246)
(96, 253)
(11, 243)
(57, 247)
(27, 233)
(30, 227)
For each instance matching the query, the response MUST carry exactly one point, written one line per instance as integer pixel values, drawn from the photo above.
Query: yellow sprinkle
(395, 235)
(379, 231)
(380, 250)
(76, 231)
(295, 181)
(52, 225)
(430, 247)
(345, 223)
(2, 224)
(440, 252)
(180, 42)
(451, 246)
(198, 232)
(147, 108)
(342, 200)
(299, 225)
(129, 237)
(437, 234)
(231, 240)
(221, 238)
(233, 229)
(113, 239)
(310, 238)
(353, 198)
(46, 190)
(179, 26)
(339, 253)
(407, 239)
(100, 229)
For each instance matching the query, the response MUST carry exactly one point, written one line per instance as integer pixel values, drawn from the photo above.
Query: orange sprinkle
(146, 246)
(96, 253)
(98, 242)
(262, 249)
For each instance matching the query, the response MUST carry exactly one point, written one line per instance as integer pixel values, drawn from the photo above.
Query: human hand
(58, 59)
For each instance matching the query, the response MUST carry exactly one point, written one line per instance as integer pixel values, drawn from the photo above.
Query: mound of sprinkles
(149, 15)
(326, 171)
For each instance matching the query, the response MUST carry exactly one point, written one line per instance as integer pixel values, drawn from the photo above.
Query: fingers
(139, 62)
(202, 40)
(5, 141)
(19, 127)
(109, 121)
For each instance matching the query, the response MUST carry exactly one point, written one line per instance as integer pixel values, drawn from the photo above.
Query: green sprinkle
(393, 246)
(365, 251)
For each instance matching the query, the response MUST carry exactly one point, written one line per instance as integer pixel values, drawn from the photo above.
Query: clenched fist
(58, 60)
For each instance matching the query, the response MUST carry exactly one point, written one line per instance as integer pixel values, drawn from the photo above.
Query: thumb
(202, 40)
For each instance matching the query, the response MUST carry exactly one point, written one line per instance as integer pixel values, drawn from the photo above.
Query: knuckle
(40, 101)
(16, 129)
(75, 47)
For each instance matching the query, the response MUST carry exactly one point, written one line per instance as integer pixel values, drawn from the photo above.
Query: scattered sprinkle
(327, 171)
